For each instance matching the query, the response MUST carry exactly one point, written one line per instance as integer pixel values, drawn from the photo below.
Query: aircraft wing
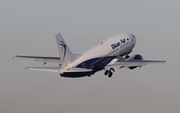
(43, 59)
(137, 63)
(50, 69)
(58, 69)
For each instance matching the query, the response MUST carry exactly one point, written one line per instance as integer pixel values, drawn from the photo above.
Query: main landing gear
(127, 56)
(109, 72)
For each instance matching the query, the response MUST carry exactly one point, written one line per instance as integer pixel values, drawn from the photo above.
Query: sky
(29, 28)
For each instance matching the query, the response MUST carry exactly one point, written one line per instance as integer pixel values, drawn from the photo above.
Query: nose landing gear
(109, 72)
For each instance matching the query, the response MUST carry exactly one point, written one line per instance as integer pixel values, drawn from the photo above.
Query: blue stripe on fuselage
(96, 64)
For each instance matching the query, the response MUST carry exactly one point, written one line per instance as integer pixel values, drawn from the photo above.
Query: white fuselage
(117, 45)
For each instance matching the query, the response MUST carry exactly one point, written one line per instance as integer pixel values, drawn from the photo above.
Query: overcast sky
(29, 27)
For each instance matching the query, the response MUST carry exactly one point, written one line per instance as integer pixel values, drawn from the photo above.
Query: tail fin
(66, 55)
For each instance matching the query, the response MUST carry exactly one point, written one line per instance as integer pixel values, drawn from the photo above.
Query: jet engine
(135, 57)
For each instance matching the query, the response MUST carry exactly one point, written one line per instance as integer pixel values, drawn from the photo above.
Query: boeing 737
(106, 55)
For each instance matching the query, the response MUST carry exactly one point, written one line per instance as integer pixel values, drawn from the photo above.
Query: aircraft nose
(133, 39)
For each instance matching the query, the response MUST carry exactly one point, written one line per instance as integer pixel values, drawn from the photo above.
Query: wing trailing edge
(55, 60)
(58, 69)
(135, 63)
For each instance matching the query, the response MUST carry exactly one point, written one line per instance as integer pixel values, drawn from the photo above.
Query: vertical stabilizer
(66, 55)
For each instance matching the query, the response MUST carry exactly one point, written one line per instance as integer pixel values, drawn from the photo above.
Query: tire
(106, 72)
(112, 69)
(110, 74)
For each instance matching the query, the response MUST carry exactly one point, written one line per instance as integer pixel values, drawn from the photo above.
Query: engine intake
(135, 57)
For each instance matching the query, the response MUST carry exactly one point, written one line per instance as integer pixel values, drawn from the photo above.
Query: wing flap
(50, 69)
(135, 63)
(78, 70)
(58, 69)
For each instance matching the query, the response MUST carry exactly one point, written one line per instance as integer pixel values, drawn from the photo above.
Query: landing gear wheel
(127, 56)
(110, 74)
(112, 69)
(106, 72)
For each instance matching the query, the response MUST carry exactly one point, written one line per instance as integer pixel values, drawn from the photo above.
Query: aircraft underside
(76, 74)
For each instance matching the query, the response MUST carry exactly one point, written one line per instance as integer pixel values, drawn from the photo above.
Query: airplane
(106, 55)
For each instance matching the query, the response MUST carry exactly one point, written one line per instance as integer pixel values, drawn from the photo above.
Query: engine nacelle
(135, 57)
